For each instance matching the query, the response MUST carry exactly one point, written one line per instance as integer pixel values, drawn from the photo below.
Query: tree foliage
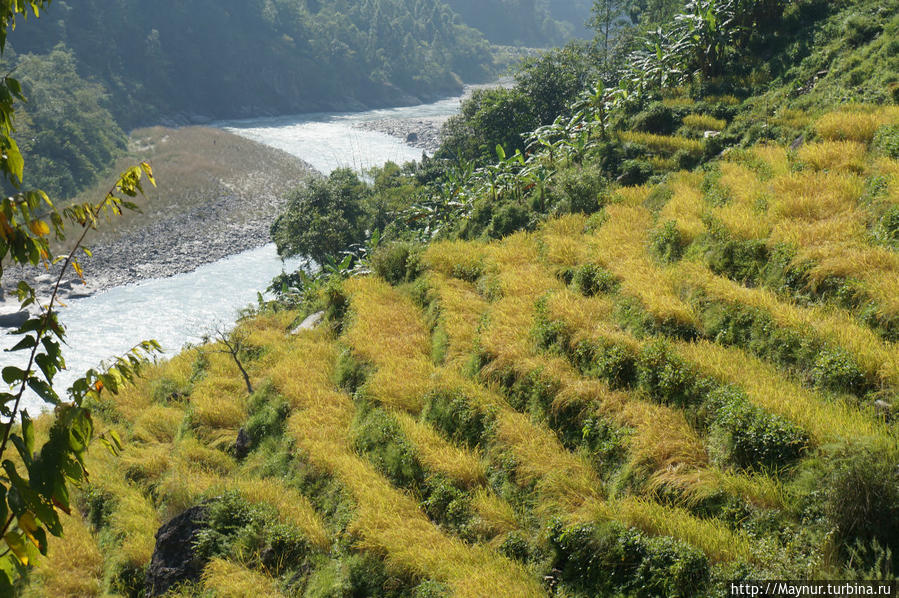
(34, 486)
(323, 217)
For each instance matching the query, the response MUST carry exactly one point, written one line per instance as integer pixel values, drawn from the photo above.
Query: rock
(173, 560)
(14, 319)
(412, 137)
(242, 445)
(310, 322)
(882, 407)
(710, 134)
(797, 143)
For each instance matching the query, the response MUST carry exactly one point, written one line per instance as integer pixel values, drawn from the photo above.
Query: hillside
(525, 402)
(654, 350)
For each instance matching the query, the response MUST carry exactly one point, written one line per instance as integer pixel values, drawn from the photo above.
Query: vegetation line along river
(214, 238)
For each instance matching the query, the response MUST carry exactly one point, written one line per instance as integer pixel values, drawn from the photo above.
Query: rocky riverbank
(218, 195)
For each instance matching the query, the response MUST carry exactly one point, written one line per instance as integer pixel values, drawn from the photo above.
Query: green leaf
(28, 431)
(12, 374)
(14, 160)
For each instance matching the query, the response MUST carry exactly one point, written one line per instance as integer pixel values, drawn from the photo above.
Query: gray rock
(797, 143)
(174, 560)
(310, 322)
(243, 444)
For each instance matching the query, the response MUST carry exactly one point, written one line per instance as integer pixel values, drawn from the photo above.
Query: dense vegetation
(652, 350)
(92, 70)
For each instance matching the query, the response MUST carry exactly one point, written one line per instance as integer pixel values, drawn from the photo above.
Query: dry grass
(857, 123)
(824, 420)
(846, 156)
(621, 246)
(231, 580)
(664, 143)
(74, 567)
(387, 330)
(440, 456)
(685, 206)
(704, 122)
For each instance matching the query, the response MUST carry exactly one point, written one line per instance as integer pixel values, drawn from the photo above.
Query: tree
(35, 484)
(323, 218)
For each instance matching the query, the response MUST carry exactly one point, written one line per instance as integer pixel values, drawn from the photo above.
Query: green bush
(634, 172)
(507, 219)
(667, 242)
(862, 498)
(886, 141)
(581, 189)
(397, 262)
(591, 279)
(859, 29)
(836, 370)
(887, 229)
(605, 559)
(453, 414)
(612, 363)
(350, 373)
(656, 118)
(379, 437)
(447, 504)
(667, 379)
(742, 261)
(165, 390)
(606, 442)
(750, 437)
(268, 414)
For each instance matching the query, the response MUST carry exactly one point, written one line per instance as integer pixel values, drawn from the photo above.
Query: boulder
(310, 322)
(174, 560)
(243, 444)
(412, 137)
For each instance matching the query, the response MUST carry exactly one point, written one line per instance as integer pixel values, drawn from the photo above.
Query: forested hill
(229, 58)
(100, 68)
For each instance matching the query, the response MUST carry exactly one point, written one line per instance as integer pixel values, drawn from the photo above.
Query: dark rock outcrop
(174, 560)
(243, 444)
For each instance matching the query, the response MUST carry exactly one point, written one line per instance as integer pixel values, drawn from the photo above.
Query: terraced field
(695, 384)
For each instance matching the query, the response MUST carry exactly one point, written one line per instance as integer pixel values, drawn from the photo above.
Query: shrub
(507, 219)
(742, 261)
(606, 442)
(860, 29)
(612, 363)
(657, 118)
(667, 242)
(591, 279)
(379, 437)
(666, 378)
(836, 370)
(580, 189)
(397, 262)
(887, 229)
(350, 373)
(603, 559)
(447, 504)
(751, 437)
(452, 413)
(165, 390)
(862, 498)
(634, 172)
(886, 141)
(268, 414)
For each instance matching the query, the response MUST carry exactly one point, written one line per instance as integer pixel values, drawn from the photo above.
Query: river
(182, 308)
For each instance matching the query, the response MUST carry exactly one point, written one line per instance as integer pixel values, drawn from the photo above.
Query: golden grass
(389, 522)
(562, 236)
(718, 542)
(73, 567)
(387, 330)
(663, 143)
(231, 580)
(834, 155)
(448, 257)
(461, 308)
(494, 515)
(633, 196)
(564, 480)
(438, 455)
(685, 206)
(157, 423)
(704, 122)
(620, 246)
(824, 420)
(834, 326)
(858, 123)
